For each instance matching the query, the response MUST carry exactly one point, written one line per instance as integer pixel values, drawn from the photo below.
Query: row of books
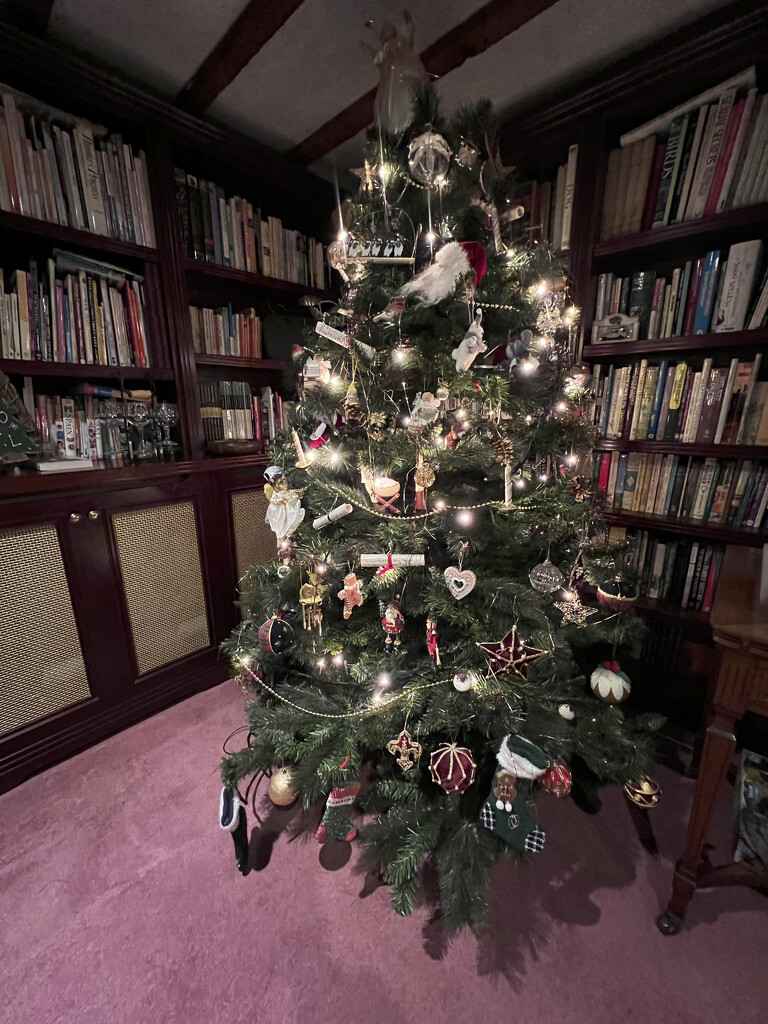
(707, 156)
(683, 572)
(708, 294)
(674, 402)
(74, 427)
(73, 310)
(54, 168)
(230, 409)
(716, 491)
(222, 332)
(550, 204)
(231, 232)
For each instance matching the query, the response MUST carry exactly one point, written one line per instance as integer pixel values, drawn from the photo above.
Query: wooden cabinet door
(62, 667)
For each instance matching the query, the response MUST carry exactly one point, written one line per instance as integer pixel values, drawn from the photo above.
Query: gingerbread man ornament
(352, 594)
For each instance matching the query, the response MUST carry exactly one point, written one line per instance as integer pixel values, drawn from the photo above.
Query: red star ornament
(511, 654)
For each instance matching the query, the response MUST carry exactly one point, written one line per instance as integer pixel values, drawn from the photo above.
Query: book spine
(727, 392)
(658, 396)
(743, 260)
(724, 157)
(654, 184)
(692, 300)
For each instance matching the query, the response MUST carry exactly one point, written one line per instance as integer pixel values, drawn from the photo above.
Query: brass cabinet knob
(93, 514)
(75, 517)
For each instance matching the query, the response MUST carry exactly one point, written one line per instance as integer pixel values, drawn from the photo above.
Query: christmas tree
(18, 439)
(418, 647)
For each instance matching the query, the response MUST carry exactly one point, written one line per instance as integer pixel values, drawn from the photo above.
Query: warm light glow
(335, 458)
(529, 419)
(320, 568)
(399, 355)
(406, 421)
(465, 518)
(510, 254)
(571, 460)
(383, 174)
(561, 406)
(543, 477)
(568, 595)
(431, 236)
(462, 414)
(520, 482)
(338, 659)
(321, 662)
(246, 660)
(383, 679)
(284, 544)
(335, 379)
(527, 366)
(310, 454)
(440, 504)
(542, 289)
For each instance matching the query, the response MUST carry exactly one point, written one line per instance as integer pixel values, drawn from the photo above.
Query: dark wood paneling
(249, 32)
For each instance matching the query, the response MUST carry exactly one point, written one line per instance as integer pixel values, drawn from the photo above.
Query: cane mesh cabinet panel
(41, 663)
(163, 582)
(255, 543)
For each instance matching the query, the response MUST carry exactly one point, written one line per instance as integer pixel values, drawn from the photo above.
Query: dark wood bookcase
(124, 580)
(675, 665)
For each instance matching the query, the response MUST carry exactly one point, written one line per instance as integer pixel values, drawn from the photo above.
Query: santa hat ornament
(437, 281)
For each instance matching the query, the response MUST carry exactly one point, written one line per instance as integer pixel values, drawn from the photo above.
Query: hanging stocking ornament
(505, 812)
(336, 823)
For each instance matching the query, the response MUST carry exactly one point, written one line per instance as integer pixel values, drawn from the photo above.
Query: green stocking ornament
(335, 823)
(505, 812)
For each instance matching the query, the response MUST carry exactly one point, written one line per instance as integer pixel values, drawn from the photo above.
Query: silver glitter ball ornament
(546, 577)
(429, 157)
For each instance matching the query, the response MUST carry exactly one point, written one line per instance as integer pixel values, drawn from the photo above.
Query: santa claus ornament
(453, 262)
(393, 623)
(505, 812)
(609, 683)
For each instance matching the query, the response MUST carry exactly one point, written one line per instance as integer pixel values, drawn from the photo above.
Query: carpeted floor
(120, 902)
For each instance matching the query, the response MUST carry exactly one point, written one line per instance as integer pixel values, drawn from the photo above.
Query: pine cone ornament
(503, 449)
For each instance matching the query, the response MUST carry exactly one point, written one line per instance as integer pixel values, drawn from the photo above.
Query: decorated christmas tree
(420, 652)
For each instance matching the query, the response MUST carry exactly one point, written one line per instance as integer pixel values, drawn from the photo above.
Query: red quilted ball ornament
(557, 779)
(452, 767)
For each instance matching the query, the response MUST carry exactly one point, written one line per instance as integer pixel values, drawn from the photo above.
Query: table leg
(719, 745)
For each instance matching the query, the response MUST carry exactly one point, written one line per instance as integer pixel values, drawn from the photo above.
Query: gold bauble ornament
(281, 790)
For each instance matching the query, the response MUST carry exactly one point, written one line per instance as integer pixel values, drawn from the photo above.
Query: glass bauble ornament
(281, 791)
(337, 254)
(276, 635)
(557, 780)
(546, 577)
(429, 157)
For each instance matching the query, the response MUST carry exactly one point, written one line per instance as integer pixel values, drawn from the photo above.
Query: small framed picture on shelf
(616, 327)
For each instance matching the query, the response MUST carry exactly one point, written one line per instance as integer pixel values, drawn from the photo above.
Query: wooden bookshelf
(41, 368)
(729, 340)
(16, 226)
(689, 527)
(244, 277)
(692, 237)
(203, 359)
(713, 451)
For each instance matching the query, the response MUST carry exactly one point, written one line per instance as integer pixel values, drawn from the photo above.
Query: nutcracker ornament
(505, 812)
(393, 623)
(432, 640)
(351, 594)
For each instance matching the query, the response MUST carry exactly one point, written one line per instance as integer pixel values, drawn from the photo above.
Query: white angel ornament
(285, 513)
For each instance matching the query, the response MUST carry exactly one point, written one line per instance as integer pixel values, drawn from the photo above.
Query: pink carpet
(120, 902)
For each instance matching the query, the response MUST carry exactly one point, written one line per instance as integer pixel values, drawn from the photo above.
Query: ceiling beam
(248, 33)
(32, 15)
(478, 33)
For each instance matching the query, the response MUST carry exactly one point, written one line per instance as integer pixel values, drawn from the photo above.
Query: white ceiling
(315, 65)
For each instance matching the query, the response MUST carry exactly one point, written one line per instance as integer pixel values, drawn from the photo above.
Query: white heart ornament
(459, 583)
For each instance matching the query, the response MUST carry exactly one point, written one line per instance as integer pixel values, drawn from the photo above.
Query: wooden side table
(742, 685)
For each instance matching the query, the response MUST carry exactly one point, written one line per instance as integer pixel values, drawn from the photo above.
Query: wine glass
(167, 416)
(138, 416)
